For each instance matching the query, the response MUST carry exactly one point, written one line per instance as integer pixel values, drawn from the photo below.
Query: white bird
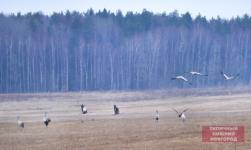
(227, 77)
(157, 115)
(182, 78)
(46, 119)
(196, 73)
(182, 114)
(20, 123)
(84, 109)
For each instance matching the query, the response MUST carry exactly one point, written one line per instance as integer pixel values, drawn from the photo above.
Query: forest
(80, 51)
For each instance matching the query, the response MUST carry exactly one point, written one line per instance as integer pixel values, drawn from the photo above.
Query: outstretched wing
(183, 78)
(224, 75)
(175, 111)
(185, 110)
(195, 73)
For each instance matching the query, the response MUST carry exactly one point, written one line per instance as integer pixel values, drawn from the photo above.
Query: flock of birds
(157, 116)
(194, 73)
(47, 120)
(181, 115)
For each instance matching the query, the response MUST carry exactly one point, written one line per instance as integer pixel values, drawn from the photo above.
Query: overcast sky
(208, 8)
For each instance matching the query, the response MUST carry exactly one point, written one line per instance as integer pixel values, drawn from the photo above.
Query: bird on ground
(181, 78)
(20, 123)
(46, 119)
(157, 115)
(116, 110)
(182, 114)
(83, 109)
(227, 77)
(194, 73)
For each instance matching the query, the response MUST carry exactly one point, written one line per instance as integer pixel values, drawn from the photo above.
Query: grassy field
(135, 128)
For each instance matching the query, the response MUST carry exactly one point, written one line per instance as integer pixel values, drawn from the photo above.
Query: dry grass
(135, 128)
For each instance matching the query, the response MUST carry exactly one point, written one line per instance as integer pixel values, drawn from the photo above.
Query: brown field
(134, 128)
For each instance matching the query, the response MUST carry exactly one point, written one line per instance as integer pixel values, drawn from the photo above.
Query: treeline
(75, 51)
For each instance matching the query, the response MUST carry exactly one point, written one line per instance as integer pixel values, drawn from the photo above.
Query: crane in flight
(228, 77)
(182, 114)
(195, 73)
(181, 78)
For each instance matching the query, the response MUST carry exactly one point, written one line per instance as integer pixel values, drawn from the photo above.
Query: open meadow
(135, 128)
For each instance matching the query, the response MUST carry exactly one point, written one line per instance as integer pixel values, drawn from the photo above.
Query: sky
(209, 8)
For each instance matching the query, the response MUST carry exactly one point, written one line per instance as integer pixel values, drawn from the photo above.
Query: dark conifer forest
(78, 51)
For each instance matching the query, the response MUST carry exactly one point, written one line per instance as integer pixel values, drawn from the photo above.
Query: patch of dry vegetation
(134, 128)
